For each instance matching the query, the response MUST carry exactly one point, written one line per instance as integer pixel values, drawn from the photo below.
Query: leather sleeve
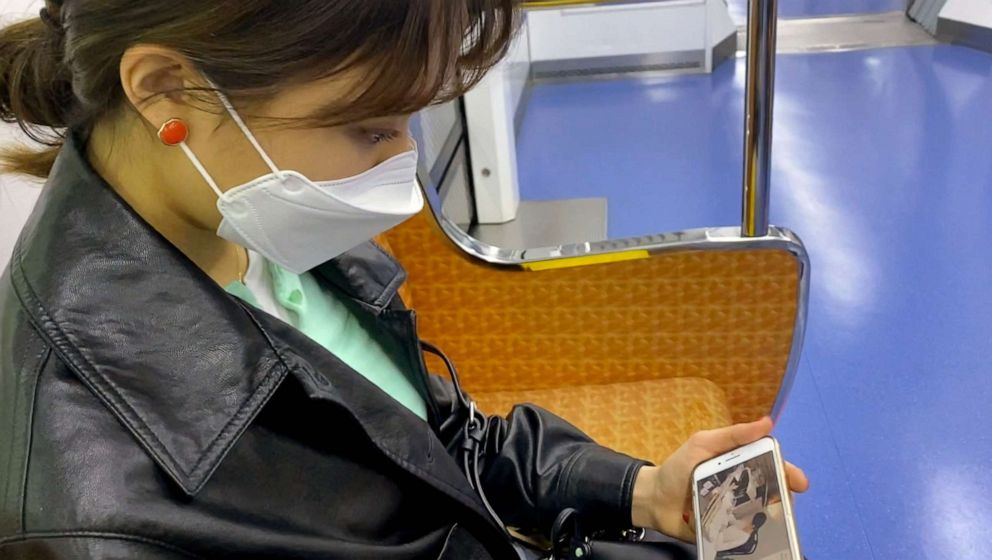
(536, 464)
(89, 546)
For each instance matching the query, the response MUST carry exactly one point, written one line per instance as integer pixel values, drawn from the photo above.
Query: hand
(663, 495)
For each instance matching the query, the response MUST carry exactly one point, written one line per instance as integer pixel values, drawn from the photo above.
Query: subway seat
(639, 354)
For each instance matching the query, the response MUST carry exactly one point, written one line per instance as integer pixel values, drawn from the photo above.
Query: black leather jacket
(145, 413)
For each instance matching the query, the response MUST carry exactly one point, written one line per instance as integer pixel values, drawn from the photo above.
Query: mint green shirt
(329, 321)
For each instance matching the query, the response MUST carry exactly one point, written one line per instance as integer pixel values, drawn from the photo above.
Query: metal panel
(456, 191)
(545, 223)
(964, 33)
(615, 65)
(967, 22)
(848, 33)
(926, 13)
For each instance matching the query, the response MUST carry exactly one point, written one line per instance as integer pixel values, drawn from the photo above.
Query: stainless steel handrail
(758, 107)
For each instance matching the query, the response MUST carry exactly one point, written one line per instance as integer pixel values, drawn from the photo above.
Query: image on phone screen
(742, 515)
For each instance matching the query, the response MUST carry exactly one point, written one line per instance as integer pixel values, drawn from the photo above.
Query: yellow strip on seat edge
(571, 262)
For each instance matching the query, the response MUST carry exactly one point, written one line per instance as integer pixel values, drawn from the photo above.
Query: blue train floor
(817, 8)
(882, 165)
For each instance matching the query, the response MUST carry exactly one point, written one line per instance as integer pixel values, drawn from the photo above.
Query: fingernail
(685, 517)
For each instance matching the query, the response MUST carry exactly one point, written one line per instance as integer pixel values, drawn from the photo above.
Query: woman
(202, 353)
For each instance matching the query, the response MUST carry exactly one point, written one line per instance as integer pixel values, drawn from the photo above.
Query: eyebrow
(389, 124)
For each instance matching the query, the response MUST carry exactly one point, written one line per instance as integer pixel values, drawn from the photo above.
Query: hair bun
(35, 85)
(55, 24)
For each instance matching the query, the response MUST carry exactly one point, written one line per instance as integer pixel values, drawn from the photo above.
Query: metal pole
(758, 105)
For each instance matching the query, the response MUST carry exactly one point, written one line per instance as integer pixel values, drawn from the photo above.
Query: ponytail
(35, 91)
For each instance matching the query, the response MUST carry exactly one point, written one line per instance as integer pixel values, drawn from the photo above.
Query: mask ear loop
(199, 167)
(245, 130)
(174, 133)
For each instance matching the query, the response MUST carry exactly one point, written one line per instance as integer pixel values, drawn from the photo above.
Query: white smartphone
(742, 506)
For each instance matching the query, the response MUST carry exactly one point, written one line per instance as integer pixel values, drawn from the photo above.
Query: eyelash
(379, 137)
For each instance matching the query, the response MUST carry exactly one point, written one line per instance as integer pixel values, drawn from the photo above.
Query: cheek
(321, 155)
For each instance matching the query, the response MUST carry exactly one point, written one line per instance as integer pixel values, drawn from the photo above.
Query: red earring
(173, 132)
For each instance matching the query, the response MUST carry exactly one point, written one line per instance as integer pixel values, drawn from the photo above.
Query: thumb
(726, 439)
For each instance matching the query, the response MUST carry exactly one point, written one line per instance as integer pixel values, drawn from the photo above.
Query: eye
(380, 136)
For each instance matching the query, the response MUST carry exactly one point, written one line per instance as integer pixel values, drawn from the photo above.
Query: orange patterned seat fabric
(639, 353)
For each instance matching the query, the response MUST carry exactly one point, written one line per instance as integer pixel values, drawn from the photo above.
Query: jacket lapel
(400, 435)
(164, 348)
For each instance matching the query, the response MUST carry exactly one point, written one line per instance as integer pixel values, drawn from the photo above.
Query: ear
(154, 80)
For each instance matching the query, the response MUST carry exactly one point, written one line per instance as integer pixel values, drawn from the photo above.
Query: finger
(722, 440)
(798, 482)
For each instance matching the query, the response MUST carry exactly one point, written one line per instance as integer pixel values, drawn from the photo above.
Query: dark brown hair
(60, 71)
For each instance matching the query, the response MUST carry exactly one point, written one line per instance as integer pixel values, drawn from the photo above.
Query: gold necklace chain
(241, 264)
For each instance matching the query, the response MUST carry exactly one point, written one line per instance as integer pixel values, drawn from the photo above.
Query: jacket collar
(183, 365)
(366, 274)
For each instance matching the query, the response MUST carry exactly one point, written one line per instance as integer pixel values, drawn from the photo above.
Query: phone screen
(742, 515)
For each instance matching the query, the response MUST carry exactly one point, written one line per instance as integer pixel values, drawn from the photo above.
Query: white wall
(17, 194)
(17, 198)
(975, 12)
(19, 8)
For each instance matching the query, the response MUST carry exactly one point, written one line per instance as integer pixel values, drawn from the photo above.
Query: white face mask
(298, 223)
